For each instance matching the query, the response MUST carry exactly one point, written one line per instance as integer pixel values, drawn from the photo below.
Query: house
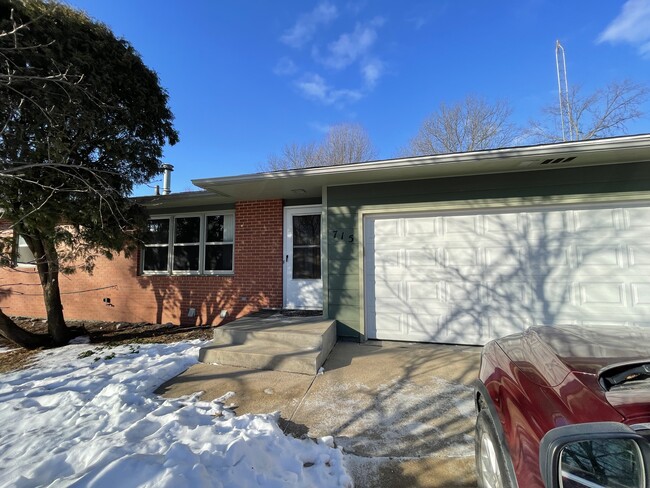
(453, 248)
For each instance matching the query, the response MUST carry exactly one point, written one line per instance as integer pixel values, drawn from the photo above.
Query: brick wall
(256, 283)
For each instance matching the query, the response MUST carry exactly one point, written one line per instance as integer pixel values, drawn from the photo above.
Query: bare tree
(603, 113)
(343, 144)
(296, 156)
(469, 125)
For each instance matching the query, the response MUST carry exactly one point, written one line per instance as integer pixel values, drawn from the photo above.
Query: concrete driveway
(403, 413)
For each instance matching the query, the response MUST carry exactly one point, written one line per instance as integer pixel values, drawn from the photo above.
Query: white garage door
(468, 278)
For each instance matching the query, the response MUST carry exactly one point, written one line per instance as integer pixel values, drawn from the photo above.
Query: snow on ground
(92, 420)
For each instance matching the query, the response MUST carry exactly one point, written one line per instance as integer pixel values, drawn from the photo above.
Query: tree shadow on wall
(183, 300)
(522, 270)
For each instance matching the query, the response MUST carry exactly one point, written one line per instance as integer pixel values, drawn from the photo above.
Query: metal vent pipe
(167, 178)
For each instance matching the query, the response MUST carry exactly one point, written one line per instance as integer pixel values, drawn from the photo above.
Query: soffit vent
(557, 160)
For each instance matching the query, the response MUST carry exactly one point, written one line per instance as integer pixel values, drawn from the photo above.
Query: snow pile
(87, 417)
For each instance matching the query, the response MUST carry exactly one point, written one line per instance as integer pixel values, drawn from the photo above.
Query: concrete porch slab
(256, 391)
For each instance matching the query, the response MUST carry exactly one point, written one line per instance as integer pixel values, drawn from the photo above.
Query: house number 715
(339, 234)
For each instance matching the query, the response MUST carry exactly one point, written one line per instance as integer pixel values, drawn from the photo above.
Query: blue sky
(247, 77)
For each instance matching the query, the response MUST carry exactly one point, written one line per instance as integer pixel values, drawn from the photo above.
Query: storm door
(303, 285)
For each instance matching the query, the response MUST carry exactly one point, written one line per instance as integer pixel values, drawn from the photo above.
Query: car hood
(548, 354)
(581, 349)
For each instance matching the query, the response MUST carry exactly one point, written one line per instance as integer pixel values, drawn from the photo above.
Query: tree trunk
(54, 308)
(47, 264)
(21, 337)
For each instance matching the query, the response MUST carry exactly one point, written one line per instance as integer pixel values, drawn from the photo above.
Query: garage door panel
(386, 289)
(602, 295)
(546, 258)
(393, 305)
(423, 291)
(460, 257)
(459, 226)
(639, 255)
(465, 329)
(388, 257)
(600, 256)
(505, 259)
(422, 257)
(500, 294)
(470, 278)
(503, 226)
(385, 227)
(640, 294)
(390, 325)
(500, 325)
(461, 293)
(420, 226)
(419, 326)
(597, 219)
(545, 293)
(541, 223)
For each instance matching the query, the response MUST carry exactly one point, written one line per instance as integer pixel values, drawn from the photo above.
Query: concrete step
(299, 335)
(292, 344)
(277, 358)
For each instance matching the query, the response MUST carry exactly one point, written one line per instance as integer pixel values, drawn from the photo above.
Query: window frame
(173, 245)
(171, 218)
(169, 254)
(204, 243)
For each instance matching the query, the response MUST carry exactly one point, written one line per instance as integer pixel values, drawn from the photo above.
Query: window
(24, 256)
(187, 243)
(306, 247)
(219, 240)
(155, 257)
(190, 244)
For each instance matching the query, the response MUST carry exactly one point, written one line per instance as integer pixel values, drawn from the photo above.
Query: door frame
(287, 250)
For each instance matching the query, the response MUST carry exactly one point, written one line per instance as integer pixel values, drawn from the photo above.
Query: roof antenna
(563, 92)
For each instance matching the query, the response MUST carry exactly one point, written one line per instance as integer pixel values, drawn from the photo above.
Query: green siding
(345, 202)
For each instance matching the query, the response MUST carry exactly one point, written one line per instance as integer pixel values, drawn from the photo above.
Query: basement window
(190, 244)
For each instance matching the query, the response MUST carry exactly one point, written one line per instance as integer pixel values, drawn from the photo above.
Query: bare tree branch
(470, 125)
(343, 144)
(605, 112)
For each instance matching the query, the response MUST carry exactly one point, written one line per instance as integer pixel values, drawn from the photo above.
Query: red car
(565, 406)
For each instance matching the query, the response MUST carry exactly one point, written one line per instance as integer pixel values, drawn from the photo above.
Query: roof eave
(281, 184)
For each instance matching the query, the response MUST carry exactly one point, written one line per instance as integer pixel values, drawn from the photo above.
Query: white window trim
(202, 243)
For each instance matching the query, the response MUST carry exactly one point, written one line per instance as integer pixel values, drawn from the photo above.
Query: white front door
(303, 285)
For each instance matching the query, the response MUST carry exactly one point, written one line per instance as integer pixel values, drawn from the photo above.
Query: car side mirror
(602, 462)
(591, 455)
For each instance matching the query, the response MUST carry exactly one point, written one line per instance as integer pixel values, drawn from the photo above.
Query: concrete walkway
(403, 413)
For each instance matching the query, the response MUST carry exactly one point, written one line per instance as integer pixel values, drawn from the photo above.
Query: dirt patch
(108, 333)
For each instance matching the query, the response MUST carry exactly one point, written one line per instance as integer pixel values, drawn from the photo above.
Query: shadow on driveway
(403, 413)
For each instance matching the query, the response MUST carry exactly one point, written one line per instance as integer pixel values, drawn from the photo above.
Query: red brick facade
(256, 283)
